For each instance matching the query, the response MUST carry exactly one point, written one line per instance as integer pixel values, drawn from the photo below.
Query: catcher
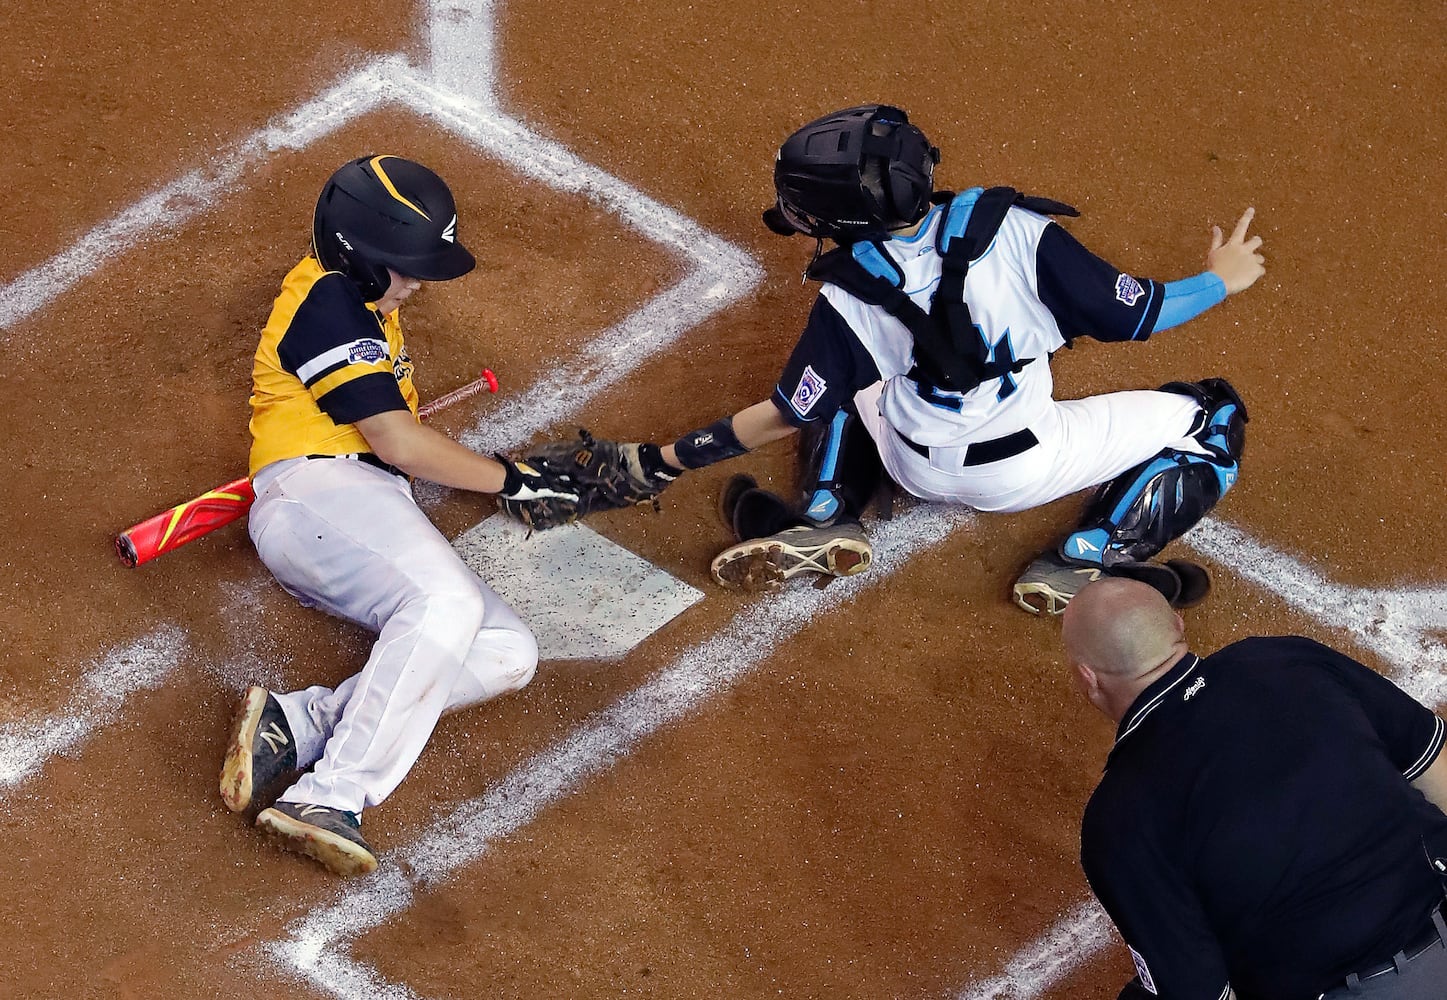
(927, 358)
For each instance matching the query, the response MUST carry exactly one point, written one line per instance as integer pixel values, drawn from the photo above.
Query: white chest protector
(1000, 291)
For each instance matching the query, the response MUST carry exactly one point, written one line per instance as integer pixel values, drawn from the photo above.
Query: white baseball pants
(1082, 443)
(349, 538)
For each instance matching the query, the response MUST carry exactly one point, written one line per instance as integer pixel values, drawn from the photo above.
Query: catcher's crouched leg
(776, 544)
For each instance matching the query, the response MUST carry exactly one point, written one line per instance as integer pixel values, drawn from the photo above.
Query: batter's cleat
(765, 563)
(331, 836)
(261, 749)
(1048, 583)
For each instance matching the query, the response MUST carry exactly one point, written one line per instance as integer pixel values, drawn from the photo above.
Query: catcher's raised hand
(602, 474)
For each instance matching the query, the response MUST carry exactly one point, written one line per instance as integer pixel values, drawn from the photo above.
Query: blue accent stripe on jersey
(1188, 298)
(831, 446)
(1146, 312)
(869, 257)
(958, 217)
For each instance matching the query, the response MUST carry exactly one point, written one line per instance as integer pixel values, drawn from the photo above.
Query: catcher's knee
(1138, 513)
(1221, 427)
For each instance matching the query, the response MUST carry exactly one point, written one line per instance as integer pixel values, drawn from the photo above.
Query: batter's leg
(361, 548)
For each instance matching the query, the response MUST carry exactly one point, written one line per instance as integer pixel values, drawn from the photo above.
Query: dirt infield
(883, 799)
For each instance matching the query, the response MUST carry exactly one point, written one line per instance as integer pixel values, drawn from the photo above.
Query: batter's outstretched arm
(418, 450)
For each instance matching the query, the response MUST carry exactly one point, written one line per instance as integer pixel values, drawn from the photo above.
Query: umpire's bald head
(1119, 636)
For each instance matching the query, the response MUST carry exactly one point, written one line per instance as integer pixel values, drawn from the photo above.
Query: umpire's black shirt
(1255, 824)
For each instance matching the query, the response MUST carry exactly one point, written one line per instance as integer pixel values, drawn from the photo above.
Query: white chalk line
(314, 948)
(26, 744)
(176, 203)
(1392, 623)
(722, 272)
(1395, 624)
(1075, 939)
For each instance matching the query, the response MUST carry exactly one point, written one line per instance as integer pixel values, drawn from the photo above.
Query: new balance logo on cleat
(259, 750)
(274, 738)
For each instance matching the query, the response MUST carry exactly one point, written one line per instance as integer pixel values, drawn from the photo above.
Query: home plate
(584, 597)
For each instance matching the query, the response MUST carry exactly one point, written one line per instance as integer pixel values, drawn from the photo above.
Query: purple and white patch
(366, 352)
(811, 387)
(1128, 290)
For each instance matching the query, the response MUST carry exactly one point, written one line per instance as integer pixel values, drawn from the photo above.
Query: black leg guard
(839, 469)
(1138, 513)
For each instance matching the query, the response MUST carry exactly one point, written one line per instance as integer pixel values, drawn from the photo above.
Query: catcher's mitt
(605, 475)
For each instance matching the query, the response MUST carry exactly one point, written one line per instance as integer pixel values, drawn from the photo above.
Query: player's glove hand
(606, 475)
(540, 497)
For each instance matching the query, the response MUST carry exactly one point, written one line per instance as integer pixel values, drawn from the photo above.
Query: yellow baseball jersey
(326, 360)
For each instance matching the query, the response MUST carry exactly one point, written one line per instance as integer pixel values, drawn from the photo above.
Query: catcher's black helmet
(852, 173)
(383, 211)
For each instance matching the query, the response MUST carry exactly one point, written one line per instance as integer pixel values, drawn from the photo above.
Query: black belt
(984, 452)
(1431, 937)
(367, 458)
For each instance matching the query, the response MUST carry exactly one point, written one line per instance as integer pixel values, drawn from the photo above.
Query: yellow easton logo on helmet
(376, 164)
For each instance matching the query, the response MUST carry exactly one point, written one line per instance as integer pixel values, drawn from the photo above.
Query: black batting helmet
(383, 211)
(851, 173)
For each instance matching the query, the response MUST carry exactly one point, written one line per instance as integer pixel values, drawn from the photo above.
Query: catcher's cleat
(1048, 583)
(765, 563)
(260, 750)
(331, 836)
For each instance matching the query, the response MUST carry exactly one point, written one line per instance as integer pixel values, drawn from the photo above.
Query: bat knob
(126, 550)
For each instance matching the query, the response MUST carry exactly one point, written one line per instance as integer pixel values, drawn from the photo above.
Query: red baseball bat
(216, 508)
(184, 522)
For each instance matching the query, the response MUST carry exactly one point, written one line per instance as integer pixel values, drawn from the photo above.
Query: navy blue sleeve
(828, 366)
(1411, 733)
(336, 346)
(1089, 297)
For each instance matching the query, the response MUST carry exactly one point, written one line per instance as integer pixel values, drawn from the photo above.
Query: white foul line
(461, 94)
(1073, 941)
(1395, 624)
(27, 743)
(316, 942)
(183, 199)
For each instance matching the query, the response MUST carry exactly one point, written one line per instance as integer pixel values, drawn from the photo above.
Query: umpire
(1270, 816)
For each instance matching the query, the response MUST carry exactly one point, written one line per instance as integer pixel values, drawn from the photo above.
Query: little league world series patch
(810, 388)
(1128, 290)
(366, 351)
